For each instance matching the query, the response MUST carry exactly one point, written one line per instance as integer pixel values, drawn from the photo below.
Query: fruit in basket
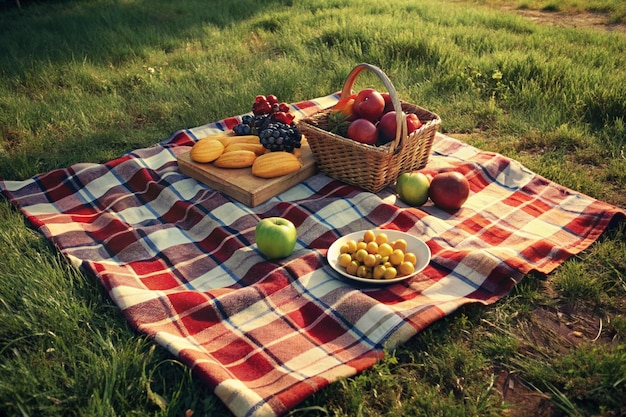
(275, 237)
(345, 107)
(387, 127)
(206, 150)
(338, 123)
(235, 159)
(369, 104)
(363, 131)
(412, 123)
(275, 164)
(273, 122)
(449, 190)
(388, 102)
(413, 188)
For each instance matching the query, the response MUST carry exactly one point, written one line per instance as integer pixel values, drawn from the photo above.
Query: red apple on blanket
(449, 190)
(275, 237)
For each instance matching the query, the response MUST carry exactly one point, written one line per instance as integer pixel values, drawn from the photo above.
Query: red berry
(261, 108)
(283, 117)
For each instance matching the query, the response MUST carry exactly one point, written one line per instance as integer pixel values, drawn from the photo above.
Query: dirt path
(598, 21)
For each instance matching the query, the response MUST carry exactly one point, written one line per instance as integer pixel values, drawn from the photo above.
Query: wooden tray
(241, 185)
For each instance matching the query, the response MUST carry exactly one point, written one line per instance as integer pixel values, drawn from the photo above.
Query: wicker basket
(366, 166)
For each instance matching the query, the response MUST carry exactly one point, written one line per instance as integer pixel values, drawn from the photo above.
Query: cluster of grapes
(272, 122)
(279, 136)
(250, 125)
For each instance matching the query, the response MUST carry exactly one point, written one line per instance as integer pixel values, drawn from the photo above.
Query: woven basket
(371, 167)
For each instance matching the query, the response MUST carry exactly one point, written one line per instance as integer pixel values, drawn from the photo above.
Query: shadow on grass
(107, 32)
(43, 38)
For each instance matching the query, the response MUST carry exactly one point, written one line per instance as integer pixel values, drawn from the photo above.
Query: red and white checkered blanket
(179, 259)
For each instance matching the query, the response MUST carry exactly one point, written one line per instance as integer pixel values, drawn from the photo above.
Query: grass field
(86, 81)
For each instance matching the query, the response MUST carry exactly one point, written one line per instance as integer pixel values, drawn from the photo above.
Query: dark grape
(242, 129)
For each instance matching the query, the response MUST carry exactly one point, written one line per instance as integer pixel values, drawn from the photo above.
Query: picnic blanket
(179, 259)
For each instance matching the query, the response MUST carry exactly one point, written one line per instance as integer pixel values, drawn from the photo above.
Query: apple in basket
(388, 102)
(387, 126)
(413, 123)
(363, 131)
(369, 104)
(275, 237)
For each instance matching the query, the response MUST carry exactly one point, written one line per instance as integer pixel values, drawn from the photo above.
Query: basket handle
(401, 127)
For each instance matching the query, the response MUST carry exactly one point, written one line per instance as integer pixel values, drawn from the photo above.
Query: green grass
(86, 81)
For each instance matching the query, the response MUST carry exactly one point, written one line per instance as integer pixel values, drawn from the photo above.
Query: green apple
(412, 188)
(275, 237)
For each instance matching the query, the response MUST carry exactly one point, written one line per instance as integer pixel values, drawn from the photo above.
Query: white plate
(414, 244)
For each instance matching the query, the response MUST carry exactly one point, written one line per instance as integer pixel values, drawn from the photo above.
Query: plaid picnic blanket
(179, 260)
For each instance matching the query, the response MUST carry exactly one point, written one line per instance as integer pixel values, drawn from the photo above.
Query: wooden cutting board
(240, 184)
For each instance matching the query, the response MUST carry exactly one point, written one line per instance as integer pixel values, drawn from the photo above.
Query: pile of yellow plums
(374, 257)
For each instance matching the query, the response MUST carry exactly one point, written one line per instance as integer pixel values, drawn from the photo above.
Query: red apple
(412, 123)
(369, 104)
(364, 131)
(387, 127)
(275, 237)
(388, 102)
(449, 190)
